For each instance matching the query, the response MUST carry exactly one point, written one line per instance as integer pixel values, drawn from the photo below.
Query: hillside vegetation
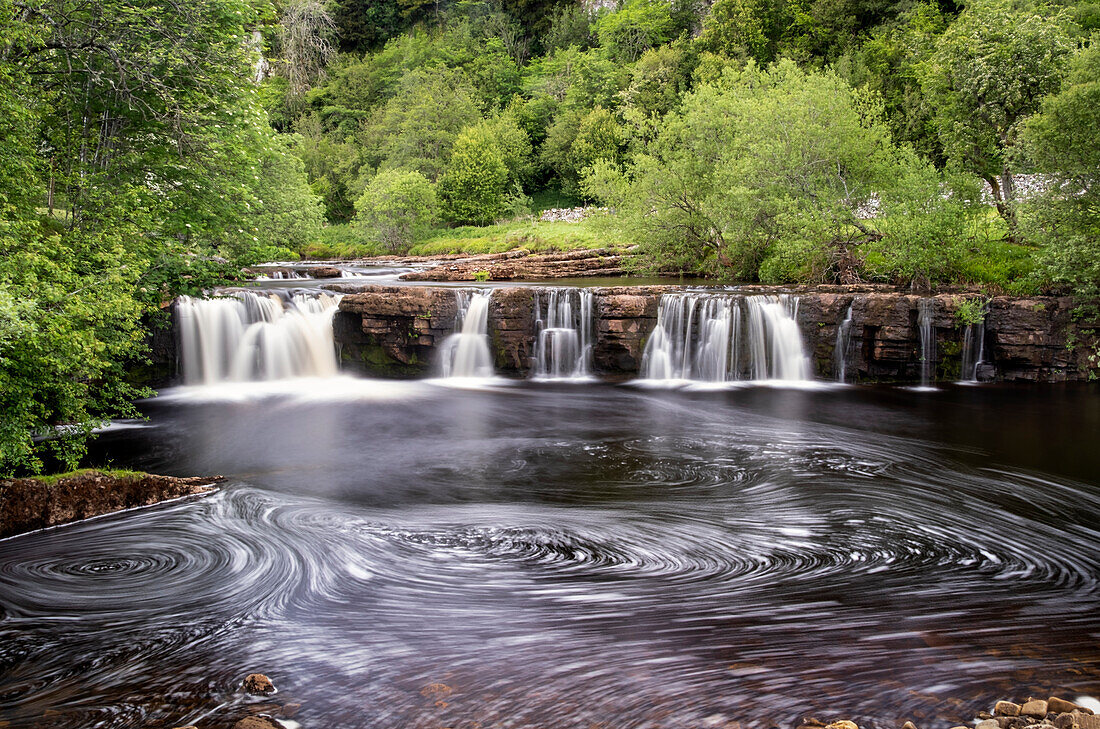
(152, 149)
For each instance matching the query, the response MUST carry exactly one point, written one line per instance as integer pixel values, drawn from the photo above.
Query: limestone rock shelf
(394, 331)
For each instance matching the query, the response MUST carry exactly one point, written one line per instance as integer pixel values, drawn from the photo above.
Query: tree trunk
(1004, 198)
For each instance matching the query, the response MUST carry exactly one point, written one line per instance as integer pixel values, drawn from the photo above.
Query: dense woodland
(152, 148)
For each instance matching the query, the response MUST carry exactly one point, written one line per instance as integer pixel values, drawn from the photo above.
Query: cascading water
(925, 310)
(843, 341)
(973, 351)
(280, 276)
(466, 352)
(251, 336)
(699, 337)
(563, 344)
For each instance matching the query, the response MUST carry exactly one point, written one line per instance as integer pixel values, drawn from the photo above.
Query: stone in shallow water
(842, 724)
(1034, 707)
(257, 722)
(908, 725)
(1006, 708)
(988, 724)
(1066, 721)
(258, 684)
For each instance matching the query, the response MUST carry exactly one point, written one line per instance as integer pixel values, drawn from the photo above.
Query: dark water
(411, 555)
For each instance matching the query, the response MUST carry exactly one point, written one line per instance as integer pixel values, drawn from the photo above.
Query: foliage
(635, 27)
(397, 207)
(990, 72)
(720, 191)
(1063, 140)
(475, 184)
(970, 312)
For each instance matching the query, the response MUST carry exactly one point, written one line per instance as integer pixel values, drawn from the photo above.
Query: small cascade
(925, 310)
(466, 352)
(280, 276)
(564, 332)
(255, 336)
(719, 338)
(843, 342)
(973, 351)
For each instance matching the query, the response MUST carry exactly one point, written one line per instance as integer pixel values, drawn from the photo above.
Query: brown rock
(1006, 708)
(842, 724)
(1034, 707)
(324, 272)
(257, 722)
(1056, 705)
(258, 684)
(27, 504)
(908, 725)
(1087, 721)
(812, 721)
(1066, 721)
(1011, 722)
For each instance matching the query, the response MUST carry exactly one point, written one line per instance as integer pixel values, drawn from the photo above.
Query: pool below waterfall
(406, 554)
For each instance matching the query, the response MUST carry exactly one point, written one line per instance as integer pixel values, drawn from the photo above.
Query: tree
(397, 207)
(1063, 141)
(635, 27)
(306, 32)
(768, 163)
(990, 72)
(474, 187)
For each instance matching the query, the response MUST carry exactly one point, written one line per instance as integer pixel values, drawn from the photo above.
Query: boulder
(1034, 707)
(1056, 705)
(258, 684)
(1006, 708)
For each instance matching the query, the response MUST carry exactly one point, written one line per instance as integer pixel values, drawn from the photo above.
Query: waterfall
(466, 352)
(706, 337)
(925, 309)
(563, 344)
(280, 276)
(253, 336)
(843, 341)
(973, 351)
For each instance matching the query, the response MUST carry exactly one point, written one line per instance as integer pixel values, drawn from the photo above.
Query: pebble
(908, 725)
(842, 724)
(1066, 721)
(988, 724)
(1034, 707)
(1006, 708)
(257, 722)
(1056, 705)
(258, 684)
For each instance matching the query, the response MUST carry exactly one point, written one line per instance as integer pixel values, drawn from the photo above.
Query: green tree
(397, 207)
(990, 72)
(474, 187)
(769, 163)
(635, 27)
(1063, 141)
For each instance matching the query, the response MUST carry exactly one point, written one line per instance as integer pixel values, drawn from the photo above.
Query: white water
(563, 344)
(973, 351)
(843, 341)
(466, 352)
(280, 276)
(248, 337)
(927, 341)
(719, 338)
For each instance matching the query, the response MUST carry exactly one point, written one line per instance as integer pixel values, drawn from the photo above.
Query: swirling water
(408, 555)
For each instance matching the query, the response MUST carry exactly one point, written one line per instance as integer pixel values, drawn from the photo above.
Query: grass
(344, 241)
(112, 472)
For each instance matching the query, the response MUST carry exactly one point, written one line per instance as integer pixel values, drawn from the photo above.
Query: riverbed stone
(1034, 707)
(988, 724)
(1066, 720)
(258, 684)
(1056, 705)
(1087, 721)
(257, 722)
(842, 724)
(1006, 708)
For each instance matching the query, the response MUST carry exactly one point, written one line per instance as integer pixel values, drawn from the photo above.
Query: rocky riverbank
(395, 330)
(27, 504)
(522, 265)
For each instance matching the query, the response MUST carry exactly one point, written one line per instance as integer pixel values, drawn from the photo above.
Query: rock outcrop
(27, 504)
(522, 265)
(394, 331)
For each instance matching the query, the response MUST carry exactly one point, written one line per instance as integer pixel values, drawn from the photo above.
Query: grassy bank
(345, 241)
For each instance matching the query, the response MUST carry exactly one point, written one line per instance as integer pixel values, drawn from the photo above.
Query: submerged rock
(27, 504)
(1006, 708)
(258, 684)
(257, 722)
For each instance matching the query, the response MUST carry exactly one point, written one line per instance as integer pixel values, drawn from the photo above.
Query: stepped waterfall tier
(564, 326)
(720, 338)
(843, 342)
(466, 352)
(925, 311)
(251, 336)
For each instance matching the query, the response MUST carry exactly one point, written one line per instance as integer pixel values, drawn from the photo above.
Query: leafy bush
(397, 207)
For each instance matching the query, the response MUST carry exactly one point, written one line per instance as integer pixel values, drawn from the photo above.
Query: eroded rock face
(27, 504)
(524, 266)
(396, 330)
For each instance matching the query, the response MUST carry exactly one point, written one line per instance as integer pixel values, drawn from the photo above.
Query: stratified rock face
(524, 266)
(27, 504)
(395, 330)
